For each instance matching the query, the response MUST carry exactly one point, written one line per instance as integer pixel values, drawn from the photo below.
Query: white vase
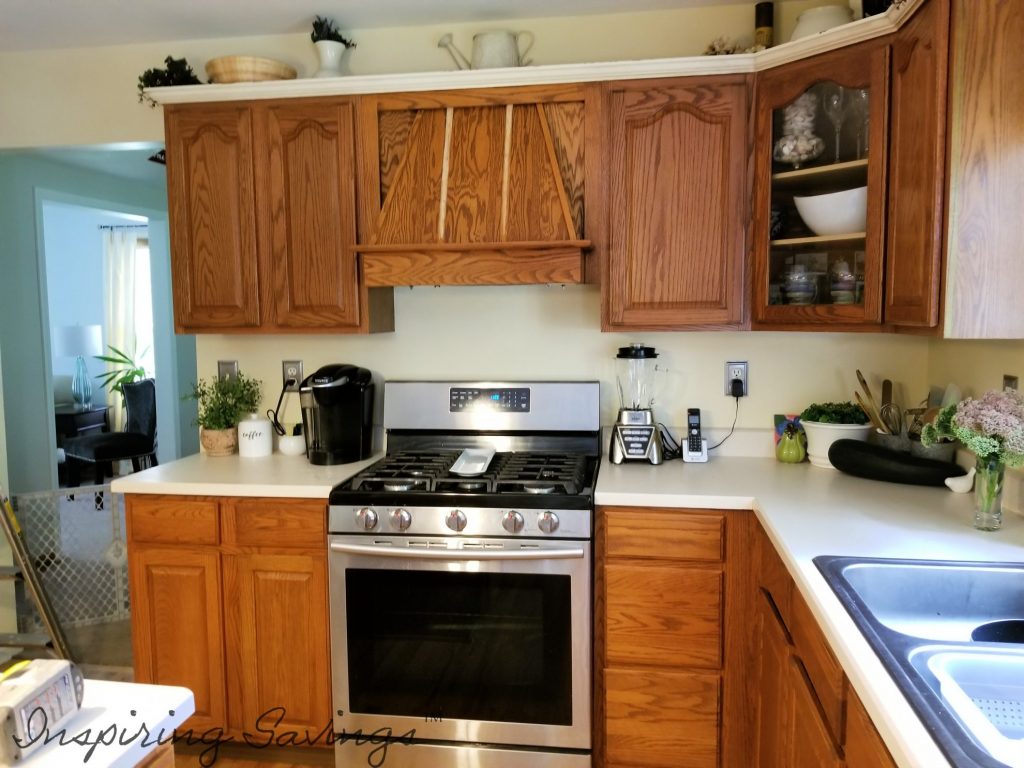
(820, 437)
(331, 53)
(815, 20)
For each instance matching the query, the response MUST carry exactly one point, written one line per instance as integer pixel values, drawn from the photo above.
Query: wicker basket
(247, 69)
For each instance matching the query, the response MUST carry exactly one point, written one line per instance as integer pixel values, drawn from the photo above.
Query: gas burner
(398, 486)
(539, 489)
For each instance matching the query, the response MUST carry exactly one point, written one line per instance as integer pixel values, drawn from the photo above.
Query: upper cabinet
(263, 219)
(484, 187)
(678, 203)
(820, 178)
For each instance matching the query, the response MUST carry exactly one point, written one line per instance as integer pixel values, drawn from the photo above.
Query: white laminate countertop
(808, 511)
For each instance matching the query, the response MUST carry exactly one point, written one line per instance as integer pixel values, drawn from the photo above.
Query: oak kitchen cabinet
(668, 647)
(678, 203)
(262, 218)
(229, 599)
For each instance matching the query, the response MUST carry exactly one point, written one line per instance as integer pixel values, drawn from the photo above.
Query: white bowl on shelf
(837, 213)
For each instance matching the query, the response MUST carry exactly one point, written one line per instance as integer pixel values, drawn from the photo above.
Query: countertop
(806, 511)
(113, 713)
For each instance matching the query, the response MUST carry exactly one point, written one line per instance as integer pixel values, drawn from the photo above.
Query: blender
(635, 435)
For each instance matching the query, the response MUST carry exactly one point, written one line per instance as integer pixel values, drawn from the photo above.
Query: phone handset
(696, 447)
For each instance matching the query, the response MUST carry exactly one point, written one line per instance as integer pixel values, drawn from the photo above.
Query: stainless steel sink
(932, 624)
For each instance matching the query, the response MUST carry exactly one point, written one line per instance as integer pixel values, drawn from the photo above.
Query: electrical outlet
(227, 369)
(735, 370)
(1010, 382)
(291, 369)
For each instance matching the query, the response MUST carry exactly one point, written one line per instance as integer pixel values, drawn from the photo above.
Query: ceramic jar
(255, 437)
(815, 20)
(799, 286)
(798, 143)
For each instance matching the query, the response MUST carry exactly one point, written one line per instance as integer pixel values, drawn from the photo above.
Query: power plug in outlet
(733, 371)
(291, 370)
(1010, 381)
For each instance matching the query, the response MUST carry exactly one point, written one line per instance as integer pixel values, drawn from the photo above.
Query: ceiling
(44, 24)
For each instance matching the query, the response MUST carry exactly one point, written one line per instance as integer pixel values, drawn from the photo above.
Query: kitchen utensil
(872, 409)
(837, 213)
(892, 417)
(635, 434)
(876, 419)
(886, 391)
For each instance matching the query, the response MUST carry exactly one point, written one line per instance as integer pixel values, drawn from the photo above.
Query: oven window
(475, 646)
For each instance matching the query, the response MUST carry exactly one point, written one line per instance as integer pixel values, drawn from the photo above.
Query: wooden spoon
(876, 420)
(869, 398)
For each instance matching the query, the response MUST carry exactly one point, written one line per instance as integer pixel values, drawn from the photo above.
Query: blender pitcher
(635, 434)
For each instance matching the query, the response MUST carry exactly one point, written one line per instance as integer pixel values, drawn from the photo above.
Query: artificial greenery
(222, 402)
(177, 72)
(834, 413)
(127, 370)
(325, 29)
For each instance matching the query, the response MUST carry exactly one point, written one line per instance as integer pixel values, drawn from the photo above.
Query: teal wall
(25, 180)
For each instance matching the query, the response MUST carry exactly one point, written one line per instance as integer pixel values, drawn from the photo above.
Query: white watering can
(491, 49)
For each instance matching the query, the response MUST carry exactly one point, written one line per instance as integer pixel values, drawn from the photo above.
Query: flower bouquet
(992, 428)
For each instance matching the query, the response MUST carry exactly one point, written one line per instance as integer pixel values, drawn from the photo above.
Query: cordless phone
(696, 448)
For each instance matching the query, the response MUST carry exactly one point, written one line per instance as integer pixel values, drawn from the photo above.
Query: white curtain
(120, 278)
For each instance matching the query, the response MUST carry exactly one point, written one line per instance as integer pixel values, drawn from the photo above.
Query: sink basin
(948, 634)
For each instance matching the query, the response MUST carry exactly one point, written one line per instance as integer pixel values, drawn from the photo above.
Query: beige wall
(88, 95)
(974, 366)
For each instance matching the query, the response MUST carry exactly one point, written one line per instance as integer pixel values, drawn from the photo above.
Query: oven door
(463, 640)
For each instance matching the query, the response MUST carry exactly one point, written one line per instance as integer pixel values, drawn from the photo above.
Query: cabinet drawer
(663, 535)
(172, 520)
(275, 523)
(662, 719)
(823, 670)
(663, 615)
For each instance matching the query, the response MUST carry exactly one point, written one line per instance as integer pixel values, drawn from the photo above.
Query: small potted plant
(330, 46)
(824, 423)
(177, 72)
(222, 403)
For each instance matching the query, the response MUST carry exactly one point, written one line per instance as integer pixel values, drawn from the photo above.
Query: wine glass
(860, 108)
(835, 104)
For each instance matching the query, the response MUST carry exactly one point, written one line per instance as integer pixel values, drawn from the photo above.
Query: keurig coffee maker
(337, 414)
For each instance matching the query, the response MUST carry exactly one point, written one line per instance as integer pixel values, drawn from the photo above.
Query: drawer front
(662, 719)
(660, 534)
(663, 615)
(823, 670)
(275, 523)
(172, 520)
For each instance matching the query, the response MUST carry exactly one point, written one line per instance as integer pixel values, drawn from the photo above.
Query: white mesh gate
(76, 537)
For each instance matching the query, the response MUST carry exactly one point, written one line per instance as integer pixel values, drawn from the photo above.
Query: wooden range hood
(473, 191)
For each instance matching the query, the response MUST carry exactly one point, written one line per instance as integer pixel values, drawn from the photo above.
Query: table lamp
(77, 341)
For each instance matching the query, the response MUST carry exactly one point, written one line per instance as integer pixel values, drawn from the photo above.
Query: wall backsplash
(552, 332)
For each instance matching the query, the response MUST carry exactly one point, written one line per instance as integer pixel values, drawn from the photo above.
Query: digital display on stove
(503, 400)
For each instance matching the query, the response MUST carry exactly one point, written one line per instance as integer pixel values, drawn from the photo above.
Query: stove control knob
(547, 522)
(512, 521)
(456, 520)
(400, 519)
(366, 519)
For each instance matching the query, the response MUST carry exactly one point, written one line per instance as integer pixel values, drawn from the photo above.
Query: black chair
(137, 442)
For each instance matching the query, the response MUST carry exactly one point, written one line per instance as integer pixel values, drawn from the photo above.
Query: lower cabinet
(229, 599)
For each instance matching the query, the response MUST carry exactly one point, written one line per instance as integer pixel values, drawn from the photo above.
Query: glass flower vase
(988, 493)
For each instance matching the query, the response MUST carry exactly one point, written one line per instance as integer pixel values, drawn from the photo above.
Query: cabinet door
(677, 203)
(210, 193)
(810, 744)
(306, 211)
(177, 629)
(863, 747)
(819, 190)
(772, 683)
(277, 642)
(917, 147)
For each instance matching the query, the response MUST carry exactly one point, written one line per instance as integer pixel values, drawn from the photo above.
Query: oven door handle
(573, 553)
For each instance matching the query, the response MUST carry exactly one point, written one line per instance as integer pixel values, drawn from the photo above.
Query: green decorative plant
(222, 402)
(177, 72)
(834, 413)
(127, 370)
(325, 29)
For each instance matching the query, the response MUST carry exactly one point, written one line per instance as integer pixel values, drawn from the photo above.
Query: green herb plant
(177, 72)
(222, 402)
(834, 413)
(325, 29)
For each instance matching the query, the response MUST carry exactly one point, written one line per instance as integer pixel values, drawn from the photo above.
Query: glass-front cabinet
(820, 177)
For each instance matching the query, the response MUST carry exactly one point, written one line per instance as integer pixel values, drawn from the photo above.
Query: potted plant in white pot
(222, 403)
(330, 46)
(824, 423)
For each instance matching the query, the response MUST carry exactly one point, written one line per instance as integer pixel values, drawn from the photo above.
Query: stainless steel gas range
(460, 579)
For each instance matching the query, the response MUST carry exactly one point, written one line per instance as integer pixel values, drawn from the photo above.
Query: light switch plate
(227, 369)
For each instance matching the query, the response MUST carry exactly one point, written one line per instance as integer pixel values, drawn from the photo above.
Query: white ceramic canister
(255, 436)
(815, 20)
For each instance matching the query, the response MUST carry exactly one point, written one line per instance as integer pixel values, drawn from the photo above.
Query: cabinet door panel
(177, 629)
(917, 145)
(277, 640)
(663, 615)
(307, 212)
(863, 747)
(810, 742)
(210, 192)
(771, 681)
(662, 719)
(681, 534)
(678, 204)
